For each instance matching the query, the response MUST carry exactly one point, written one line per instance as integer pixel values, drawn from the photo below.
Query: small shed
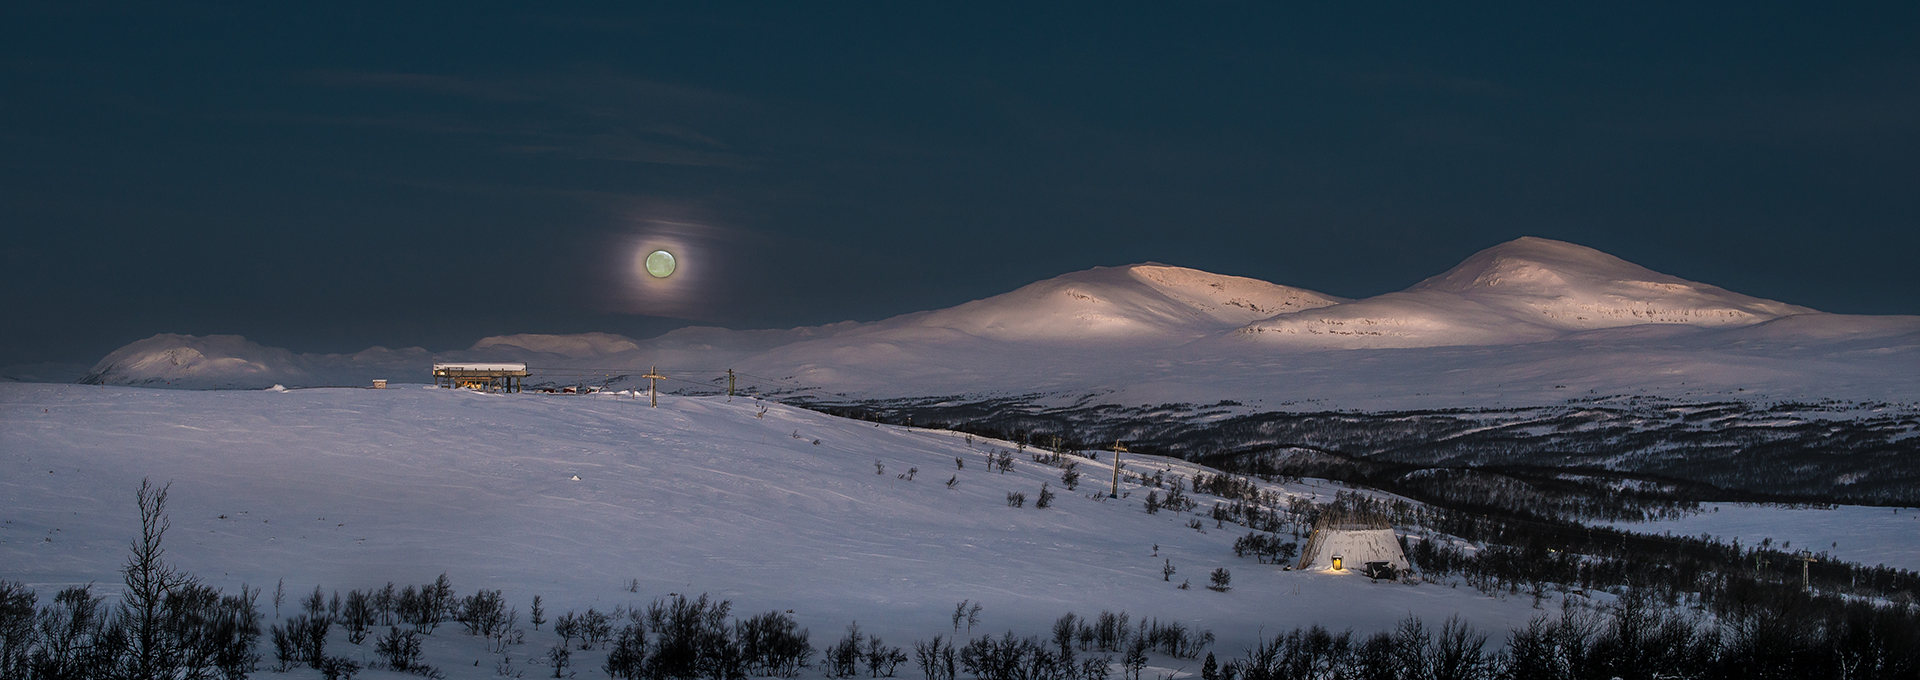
(486, 377)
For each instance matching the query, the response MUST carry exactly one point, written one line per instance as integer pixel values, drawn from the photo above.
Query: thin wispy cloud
(605, 118)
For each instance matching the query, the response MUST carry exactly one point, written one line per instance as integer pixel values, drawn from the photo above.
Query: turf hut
(1363, 543)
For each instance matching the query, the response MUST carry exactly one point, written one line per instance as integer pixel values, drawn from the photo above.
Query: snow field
(1867, 535)
(355, 488)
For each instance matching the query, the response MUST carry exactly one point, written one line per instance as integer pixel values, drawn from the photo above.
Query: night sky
(327, 179)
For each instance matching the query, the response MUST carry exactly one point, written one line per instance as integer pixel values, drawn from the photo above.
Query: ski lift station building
(484, 377)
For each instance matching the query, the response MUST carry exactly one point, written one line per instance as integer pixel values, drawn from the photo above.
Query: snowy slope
(1525, 290)
(1145, 303)
(1573, 287)
(355, 488)
(1867, 535)
(1231, 300)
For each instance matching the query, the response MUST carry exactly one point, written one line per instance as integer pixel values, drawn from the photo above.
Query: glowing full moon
(660, 264)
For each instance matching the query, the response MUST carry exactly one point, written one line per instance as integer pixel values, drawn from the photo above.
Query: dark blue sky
(325, 179)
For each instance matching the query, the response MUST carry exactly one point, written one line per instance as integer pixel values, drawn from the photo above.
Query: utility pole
(1118, 448)
(729, 384)
(653, 379)
(1805, 558)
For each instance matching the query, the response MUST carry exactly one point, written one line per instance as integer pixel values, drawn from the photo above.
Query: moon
(660, 264)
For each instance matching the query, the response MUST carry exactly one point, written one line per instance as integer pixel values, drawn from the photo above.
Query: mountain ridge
(1525, 317)
(1144, 302)
(1525, 290)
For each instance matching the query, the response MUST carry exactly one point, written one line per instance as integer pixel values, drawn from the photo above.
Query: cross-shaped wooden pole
(1118, 448)
(653, 379)
(1806, 557)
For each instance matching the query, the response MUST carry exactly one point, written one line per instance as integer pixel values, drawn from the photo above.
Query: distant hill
(1526, 290)
(1530, 321)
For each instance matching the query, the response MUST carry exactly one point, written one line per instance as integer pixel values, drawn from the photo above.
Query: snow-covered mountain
(1528, 321)
(231, 361)
(1573, 287)
(1149, 303)
(1525, 290)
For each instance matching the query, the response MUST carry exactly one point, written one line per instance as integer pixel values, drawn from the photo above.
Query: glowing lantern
(1336, 563)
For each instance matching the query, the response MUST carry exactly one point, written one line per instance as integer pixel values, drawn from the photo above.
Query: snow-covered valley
(1867, 535)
